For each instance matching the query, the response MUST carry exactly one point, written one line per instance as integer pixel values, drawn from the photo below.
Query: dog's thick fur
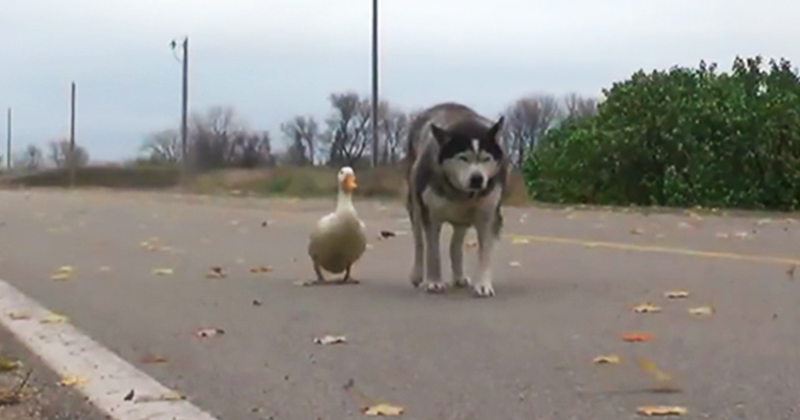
(449, 145)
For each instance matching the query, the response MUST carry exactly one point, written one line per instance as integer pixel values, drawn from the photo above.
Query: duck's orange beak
(349, 183)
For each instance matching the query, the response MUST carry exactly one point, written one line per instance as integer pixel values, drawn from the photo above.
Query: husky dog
(456, 174)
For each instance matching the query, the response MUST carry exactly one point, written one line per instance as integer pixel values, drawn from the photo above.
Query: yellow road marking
(662, 249)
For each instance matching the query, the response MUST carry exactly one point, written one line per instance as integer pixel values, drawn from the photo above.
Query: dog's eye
(463, 159)
(485, 159)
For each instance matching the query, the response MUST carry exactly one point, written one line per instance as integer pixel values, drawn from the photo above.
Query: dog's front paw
(436, 287)
(462, 282)
(483, 290)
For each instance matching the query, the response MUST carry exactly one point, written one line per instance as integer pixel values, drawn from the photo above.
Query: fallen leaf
(54, 318)
(387, 234)
(722, 235)
(163, 271)
(637, 231)
(8, 363)
(676, 294)
(515, 264)
(609, 359)
(63, 273)
(172, 396)
(705, 310)
(790, 272)
(151, 359)
(73, 380)
(260, 269)
(653, 369)
(104, 269)
(684, 225)
(636, 337)
(762, 222)
(518, 240)
(661, 410)
(330, 339)
(646, 308)
(209, 332)
(383, 410)
(216, 273)
(572, 216)
(128, 396)
(16, 316)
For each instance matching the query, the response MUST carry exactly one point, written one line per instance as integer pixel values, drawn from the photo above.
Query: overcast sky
(274, 59)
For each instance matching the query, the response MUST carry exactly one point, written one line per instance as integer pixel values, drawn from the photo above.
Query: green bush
(681, 137)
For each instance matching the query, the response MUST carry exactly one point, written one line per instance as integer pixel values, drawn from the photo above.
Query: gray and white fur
(456, 174)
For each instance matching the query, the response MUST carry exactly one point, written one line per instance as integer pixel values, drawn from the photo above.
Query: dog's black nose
(476, 181)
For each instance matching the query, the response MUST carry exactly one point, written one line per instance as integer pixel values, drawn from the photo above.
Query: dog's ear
(441, 135)
(494, 130)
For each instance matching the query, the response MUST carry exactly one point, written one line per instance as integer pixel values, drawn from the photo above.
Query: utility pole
(374, 83)
(185, 111)
(8, 139)
(72, 161)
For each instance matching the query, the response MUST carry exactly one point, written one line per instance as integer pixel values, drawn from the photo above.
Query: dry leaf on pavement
(16, 316)
(65, 272)
(216, 273)
(8, 363)
(636, 337)
(385, 410)
(661, 410)
(330, 339)
(73, 380)
(152, 358)
(104, 269)
(653, 369)
(54, 318)
(704, 310)
(515, 264)
(260, 269)
(722, 235)
(637, 231)
(790, 272)
(385, 234)
(646, 308)
(163, 271)
(209, 332)
(608, 359)
(676, 294)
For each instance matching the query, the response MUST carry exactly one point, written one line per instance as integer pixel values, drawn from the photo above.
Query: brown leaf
(163, 271)
(676, 294)
(653, 369)
(646, 308)
(637, 231)
(608, 359)
(54, 318)
(16, 316)
(636, 337)
(8, 363)
(152, 359)
(65, 272)
(385, 410)
(73, 380)
(216, 273)
(661, 410)
(790, 272)
(260, 269)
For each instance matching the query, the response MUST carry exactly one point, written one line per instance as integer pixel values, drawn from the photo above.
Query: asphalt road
(565, 289)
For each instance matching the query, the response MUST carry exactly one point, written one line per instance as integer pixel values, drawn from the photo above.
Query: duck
(339, 238)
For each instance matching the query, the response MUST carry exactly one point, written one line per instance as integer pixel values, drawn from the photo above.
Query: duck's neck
(344, 202)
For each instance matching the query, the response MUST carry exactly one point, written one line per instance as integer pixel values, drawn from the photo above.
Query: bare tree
(212, 137)
(579, 106)
(163, 147)
(30, 159)
(394, 127)
(348, 132)
(62, 157)
(527, 119)
(302, 133)
(252, 150)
